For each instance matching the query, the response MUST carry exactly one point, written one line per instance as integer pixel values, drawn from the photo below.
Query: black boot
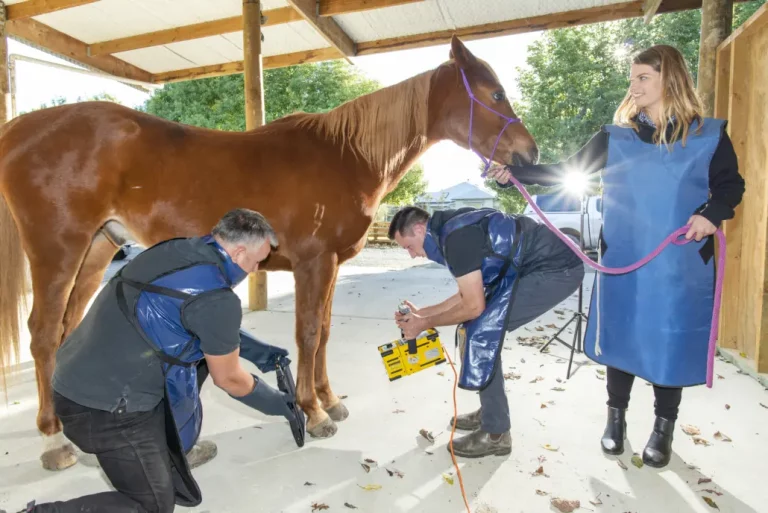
(615, 432)
(658, 452)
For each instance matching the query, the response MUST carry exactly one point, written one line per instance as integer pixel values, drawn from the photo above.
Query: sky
(445, 164)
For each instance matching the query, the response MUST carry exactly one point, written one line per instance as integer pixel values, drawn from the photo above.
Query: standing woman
(663, 166)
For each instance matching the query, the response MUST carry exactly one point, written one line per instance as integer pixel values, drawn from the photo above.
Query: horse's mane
(379, 127)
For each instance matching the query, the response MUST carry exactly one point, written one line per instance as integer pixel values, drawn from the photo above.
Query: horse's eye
(498, 96)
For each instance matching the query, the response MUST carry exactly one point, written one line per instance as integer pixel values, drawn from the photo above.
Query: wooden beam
(231, 68)
(716, 21)
(336, 7)
(611, 12)
(5, 92)
(326, 27)
(42, 36)
(254, 117)
(649, 8)
(189, 32)
(32, 8)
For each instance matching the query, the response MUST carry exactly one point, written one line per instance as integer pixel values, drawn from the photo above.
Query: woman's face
(645, 86)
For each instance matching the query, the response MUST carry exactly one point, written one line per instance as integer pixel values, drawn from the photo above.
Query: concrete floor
(259, 468)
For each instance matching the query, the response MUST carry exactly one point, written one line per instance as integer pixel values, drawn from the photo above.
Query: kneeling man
(509, 270)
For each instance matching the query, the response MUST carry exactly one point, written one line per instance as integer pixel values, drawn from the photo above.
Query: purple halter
(474, 99)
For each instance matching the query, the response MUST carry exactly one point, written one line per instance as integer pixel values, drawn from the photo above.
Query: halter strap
(472, 101)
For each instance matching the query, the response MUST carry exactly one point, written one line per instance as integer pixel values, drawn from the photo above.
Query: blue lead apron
(654, 322)
(485, 334)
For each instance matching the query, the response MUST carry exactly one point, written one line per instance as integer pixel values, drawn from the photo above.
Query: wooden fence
(742, 98)
(378, 232)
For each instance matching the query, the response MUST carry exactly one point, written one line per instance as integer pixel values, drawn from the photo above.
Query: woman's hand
(700, 227)
(499, 173)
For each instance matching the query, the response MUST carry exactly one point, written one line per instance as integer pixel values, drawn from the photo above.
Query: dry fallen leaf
(558, 389)
(743, 354)
(317, 506)
(367, 468)
(637, 461)
(550, 448)
(601, 378)
(552, 326)
(539, 328)
(727, 406)
(350, 506)
(764, 406)
(395, 473)
(601, 372)
(690, 430)
(309, 484)
(541, 492)
(701, 441)
(565, 506)
(537, 378)
(597, 501)
(622, 465)
(370, 487)
(559, 312)
(512, 375)
(448, 478)
(722, 437)
(703, 480)
(539, 472)
(712, 492)
(343, 396)
(522, 360)
(428, 435)
(543, 406)
(711, 503)
(720, 377)
(559, 380)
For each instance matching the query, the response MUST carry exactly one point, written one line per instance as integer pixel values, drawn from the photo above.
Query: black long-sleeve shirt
(726, 184)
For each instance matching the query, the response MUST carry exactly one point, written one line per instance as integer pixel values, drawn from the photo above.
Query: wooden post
(5, 94)
(254, 116)
(716, 22)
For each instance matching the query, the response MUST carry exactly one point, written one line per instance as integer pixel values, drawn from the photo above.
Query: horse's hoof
(338, 412)
(325, 429)
(59, 458)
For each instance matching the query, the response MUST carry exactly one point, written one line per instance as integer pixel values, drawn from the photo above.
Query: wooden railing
(378, 232)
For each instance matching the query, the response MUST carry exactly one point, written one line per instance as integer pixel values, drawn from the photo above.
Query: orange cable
(453, 430)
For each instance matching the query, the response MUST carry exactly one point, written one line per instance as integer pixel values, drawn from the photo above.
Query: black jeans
(131, 449)
(620, 385)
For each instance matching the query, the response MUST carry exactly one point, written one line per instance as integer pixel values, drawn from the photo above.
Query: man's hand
(700, 227)
(411, 324)
(499, 173)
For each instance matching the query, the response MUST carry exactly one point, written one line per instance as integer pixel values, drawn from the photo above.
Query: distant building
(460, 195)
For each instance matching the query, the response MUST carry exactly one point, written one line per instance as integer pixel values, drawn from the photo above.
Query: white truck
(564, 212)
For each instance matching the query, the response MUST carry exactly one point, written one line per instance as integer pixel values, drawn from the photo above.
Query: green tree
(411, 186)
(61, 100)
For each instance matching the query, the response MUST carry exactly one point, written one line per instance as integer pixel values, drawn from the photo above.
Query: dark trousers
(537, 293)
(133, 453)
(620, 385)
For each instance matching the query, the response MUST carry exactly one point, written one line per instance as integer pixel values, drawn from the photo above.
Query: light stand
(578, 315)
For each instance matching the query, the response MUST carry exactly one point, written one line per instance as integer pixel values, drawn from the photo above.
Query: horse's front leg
(331, 403)
(314, 282)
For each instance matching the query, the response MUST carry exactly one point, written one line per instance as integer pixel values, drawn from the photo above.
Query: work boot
(479, 443)
(468, 421)
(202, 452)
(615, 432)
(658, 452)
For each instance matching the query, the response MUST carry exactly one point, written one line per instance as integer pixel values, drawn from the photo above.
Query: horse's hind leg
(331, 403)
(99, 255)
(314, 282)
(54, 268)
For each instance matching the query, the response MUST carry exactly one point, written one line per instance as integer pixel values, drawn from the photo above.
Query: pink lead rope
(671, 239)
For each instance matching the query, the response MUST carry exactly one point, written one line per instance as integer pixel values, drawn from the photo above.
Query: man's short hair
(405, 219)
(244, 226)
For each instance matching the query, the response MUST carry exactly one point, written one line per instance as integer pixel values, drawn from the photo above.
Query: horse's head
(488, 124)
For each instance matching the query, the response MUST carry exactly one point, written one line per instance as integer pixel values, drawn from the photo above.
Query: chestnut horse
(69, 174)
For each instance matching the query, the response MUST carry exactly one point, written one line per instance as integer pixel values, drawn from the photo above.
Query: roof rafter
(326, 27)
(32, 8)
(336, 7)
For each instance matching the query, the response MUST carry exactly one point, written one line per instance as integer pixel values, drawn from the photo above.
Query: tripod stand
(578, 316)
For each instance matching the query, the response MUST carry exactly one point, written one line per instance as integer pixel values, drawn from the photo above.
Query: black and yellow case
(403, 357)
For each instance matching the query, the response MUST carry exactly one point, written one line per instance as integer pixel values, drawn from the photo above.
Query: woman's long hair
(679, 98)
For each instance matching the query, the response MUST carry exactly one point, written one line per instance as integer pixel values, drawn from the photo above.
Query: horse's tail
(13, 289)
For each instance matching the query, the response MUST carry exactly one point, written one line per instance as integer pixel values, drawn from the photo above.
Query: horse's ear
(461, 54)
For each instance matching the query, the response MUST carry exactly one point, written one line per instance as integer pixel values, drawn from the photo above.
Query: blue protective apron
(485, 334)
(654, 322)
